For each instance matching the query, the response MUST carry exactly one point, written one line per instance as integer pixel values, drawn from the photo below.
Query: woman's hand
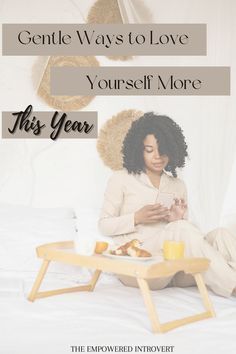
(150, 214)
(177, 210)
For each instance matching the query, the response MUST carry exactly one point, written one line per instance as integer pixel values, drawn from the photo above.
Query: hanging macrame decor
(111, 137)
(65, 103)
(105, 12)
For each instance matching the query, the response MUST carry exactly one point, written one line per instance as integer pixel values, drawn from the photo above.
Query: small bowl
(101, 247)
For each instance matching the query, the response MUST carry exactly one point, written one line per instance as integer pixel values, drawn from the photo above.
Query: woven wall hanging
(111, 137)
(65, 103)
(104, 11)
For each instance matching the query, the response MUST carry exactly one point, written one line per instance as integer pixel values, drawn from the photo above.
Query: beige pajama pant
(219, 246)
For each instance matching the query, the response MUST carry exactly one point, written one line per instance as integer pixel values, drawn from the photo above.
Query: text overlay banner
(49, 125)
(100, 39)
(199, 81)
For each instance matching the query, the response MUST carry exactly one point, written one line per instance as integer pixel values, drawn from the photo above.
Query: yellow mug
(173, 250)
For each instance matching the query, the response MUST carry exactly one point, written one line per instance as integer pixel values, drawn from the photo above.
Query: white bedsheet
(112, 314)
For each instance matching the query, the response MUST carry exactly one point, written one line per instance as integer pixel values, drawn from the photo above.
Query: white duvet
(112, 314)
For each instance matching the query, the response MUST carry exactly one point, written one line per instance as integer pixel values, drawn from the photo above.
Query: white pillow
(22, 211)
(22, 229)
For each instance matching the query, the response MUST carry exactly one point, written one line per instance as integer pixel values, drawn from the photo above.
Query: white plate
(129, 258)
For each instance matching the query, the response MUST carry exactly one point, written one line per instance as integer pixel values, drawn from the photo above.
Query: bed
(110, 315)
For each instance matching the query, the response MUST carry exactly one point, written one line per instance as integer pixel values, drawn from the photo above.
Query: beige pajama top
(125, 194)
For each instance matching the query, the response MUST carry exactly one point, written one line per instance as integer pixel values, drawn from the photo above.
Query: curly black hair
(171, 142)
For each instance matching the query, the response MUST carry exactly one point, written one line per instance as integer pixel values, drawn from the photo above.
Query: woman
(153, 146)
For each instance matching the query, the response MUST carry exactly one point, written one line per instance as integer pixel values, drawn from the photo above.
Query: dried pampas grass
(65, 103)
(111, 137)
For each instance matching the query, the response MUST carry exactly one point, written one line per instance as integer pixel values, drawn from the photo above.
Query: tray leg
(167, 326)
(156, 326)
(34, 294)
(94, 279)
(204, 294)
(38, 280)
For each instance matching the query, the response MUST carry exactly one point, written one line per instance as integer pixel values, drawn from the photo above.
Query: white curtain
(211, 128)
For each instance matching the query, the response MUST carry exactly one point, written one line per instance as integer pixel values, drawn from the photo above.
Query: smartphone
(165, 199)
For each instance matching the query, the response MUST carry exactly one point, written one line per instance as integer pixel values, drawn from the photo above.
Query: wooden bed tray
(62, 252)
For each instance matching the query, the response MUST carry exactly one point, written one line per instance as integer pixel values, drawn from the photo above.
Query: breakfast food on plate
(132, 249)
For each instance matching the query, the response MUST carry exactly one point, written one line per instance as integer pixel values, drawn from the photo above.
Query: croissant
(131, 249)
(122, 250)
(138, 252)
